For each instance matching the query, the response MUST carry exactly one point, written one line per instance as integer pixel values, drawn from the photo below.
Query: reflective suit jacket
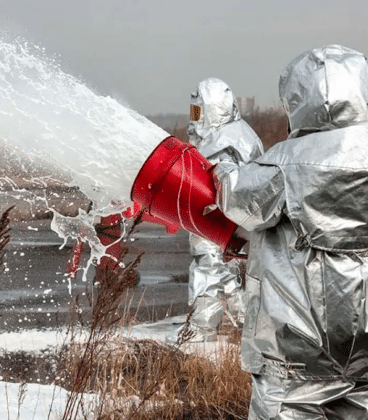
(306, 202)
(238, 143)
(220, 134)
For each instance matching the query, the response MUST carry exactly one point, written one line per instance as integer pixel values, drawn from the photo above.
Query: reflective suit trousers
(211, 281)
(291, 399)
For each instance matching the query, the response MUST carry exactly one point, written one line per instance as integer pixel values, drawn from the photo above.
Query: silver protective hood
(219, 107)
(324, 89)
(219, 134)
(305, 202)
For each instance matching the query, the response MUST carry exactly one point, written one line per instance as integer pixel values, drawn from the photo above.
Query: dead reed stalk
(4, 234)
(114, 281)
(145, 380)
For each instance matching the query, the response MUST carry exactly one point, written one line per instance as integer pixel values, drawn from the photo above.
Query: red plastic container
(109, 233)
(176, 184)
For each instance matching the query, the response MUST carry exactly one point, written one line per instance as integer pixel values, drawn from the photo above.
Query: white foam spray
(93, 141)
(56, 118)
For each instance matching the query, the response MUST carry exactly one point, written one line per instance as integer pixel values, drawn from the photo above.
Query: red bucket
(176, 184)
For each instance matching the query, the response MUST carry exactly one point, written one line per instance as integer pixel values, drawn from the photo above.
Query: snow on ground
(35, 340)
(32, 340)
(36, 402)
(43, 402)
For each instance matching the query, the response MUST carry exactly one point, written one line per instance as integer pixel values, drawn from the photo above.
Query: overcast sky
(153, 53)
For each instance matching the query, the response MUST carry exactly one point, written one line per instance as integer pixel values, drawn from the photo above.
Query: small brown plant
(186, 334)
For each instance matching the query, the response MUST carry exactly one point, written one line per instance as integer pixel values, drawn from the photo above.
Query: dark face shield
(195, 112)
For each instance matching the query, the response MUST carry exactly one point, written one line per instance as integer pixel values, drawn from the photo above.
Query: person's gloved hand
(221, 170)
(137, 210)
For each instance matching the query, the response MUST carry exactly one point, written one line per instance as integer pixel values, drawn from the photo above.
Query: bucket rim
(181, 144)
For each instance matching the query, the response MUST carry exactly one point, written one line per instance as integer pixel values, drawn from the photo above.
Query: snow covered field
(33, 401)
(38, 402)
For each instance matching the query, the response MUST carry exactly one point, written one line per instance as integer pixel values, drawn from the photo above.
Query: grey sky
(152, 53)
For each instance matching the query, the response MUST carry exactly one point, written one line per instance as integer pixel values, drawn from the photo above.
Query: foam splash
(62, 126)
(52, 116)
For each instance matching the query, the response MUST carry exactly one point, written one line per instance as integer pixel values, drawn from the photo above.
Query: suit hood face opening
(217, 105)
(325, 89)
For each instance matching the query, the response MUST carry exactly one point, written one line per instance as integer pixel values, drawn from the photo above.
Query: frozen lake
(35, 289)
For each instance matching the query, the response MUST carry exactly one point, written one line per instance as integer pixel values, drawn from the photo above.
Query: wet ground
(36, 293)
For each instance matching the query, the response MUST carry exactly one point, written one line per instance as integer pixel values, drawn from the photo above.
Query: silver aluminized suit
(219, 134)
(305, 335)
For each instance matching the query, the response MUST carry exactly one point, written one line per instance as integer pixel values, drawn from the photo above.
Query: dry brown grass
(179, 386)
(77, 367)
(146, 379)
(4, 234)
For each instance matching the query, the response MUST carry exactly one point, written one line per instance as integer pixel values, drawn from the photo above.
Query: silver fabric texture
(220, 134)
(306, 203)
(292, 399)
(218, 104)
(325, 88)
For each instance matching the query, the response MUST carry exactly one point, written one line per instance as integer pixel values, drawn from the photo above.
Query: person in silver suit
(217, 130)
(305, 333)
